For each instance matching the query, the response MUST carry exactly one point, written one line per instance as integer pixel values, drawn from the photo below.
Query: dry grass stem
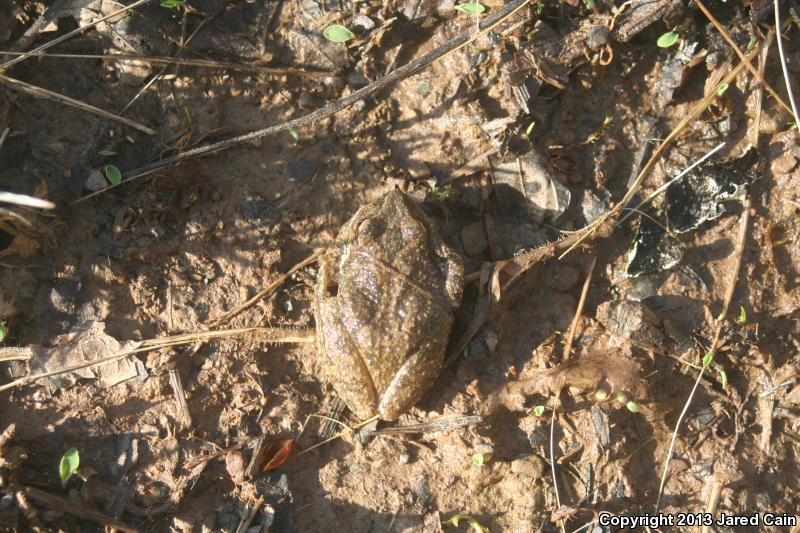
(759, 76)
(73, 33)
(785, 69)
(579, 311)
(39, 92)
(720, 323)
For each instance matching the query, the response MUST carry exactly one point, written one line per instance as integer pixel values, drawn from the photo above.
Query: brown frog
(384, 301)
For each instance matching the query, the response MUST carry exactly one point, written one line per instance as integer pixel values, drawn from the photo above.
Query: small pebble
(783, 164)
(404, 458)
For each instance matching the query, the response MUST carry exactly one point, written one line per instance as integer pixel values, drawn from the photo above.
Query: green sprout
(172, 4)
(476, 526)
(107, 153)
(530, 127)
(337, 33)
(69, 464)
(440, 195)
(294, 133)
(113, 174)
(707, 358)
(480, 459)
(742, 319)
(3, 332)
(722, 88)
(621, 397)
(471, 8)
(723, 378)
(633, 407)
(667, 40)
(539, 410)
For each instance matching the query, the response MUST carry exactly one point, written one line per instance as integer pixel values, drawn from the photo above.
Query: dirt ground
(518, 139)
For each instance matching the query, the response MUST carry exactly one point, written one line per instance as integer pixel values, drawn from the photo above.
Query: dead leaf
(277, 452)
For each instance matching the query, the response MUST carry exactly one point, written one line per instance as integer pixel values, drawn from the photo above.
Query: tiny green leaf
(633, 407)
(113, 174)
(476, 526)
(338, 34)
(69, 464)
(707, 358)
(471, 8)
(723, 377)
(752, 42)
(3, 332)
(539, 410)
(479, 459)
(172, 4)
(722, 88)
(530, 127)
(792, 125)
(107, 153)
(667, 40)
(589, 4)
(187, 114)
(622, 397)
(742, 320)
(130, 139)
(294, 133)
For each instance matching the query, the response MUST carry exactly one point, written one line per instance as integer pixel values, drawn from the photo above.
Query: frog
(384, 303)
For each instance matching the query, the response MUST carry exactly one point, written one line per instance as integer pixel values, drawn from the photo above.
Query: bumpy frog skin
(384, 301)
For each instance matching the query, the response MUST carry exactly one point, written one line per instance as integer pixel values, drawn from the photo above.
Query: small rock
(598, 36)
(783, 164)
(96, 181)
(362, 23)
(632, 322)
(473, 237)
(404, 458)
(235, 466)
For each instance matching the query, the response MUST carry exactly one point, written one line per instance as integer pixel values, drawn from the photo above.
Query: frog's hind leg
(415, 377)
(343, 364)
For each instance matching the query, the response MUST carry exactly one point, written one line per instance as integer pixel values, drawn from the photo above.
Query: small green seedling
(742, 319)
(589, 4)
(476, 526)
(667, 40)
(3, 332)
(723, 378)
(480, 459)
(793, 125)
(707, 358)
(530, 127)
(172, 4)
(107, 153)
(722, 88)
(187, 114)
(633, 407)
(130, 139)
(338, 34)
(294, 133)
(471, 8)
(113, 174)
(69, 464)
(440, 195)
(601, 394)
(539, 410)
(621, 397)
